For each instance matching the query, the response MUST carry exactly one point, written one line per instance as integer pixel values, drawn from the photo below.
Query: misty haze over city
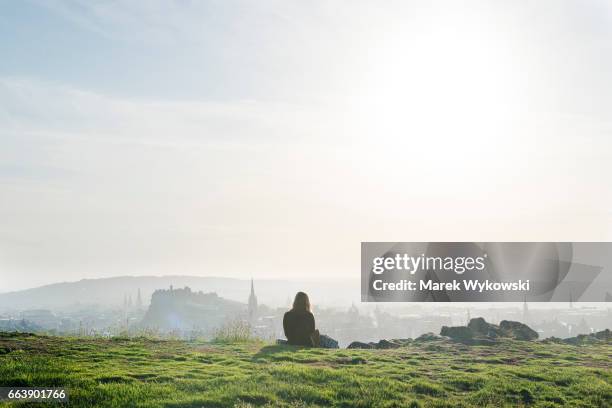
(184, 307)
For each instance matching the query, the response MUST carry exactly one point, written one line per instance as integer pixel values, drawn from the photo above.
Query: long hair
(301, 303)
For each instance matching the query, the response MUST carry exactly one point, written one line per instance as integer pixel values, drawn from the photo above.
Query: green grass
(154, 373)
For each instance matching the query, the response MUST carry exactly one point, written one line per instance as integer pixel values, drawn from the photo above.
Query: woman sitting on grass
(299, 325)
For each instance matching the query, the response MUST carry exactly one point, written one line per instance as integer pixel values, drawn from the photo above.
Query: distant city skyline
(268, 139)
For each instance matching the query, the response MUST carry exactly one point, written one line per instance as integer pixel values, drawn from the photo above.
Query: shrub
(237, 331)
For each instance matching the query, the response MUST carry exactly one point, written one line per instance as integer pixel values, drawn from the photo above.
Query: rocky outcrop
(480, 328)
(458, 333)
(360, 345)
(328, 342)
(386, 344)
(478, 331)
(429, 337)
(604, 336)
(517, 331)
(381, 345)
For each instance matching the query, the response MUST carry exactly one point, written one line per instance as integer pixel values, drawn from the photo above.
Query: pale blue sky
(172, 49)
(269, 138)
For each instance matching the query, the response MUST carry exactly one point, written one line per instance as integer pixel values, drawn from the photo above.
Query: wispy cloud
(36, 106)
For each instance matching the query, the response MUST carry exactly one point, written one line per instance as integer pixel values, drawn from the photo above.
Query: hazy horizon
(272, 293)
(269, 139)
(244, 279)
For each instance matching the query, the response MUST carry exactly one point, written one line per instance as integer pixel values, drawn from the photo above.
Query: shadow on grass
(268, 352)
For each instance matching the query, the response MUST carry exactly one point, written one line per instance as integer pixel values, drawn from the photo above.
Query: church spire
(252, 303)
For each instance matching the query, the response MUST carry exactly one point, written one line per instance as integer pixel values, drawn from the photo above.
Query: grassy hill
(161, 373)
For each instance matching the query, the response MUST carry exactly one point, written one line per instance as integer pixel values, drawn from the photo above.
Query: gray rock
(480, 327)
(478, 331)
(429, 337)
(360, 345)
(517, 330)
(327, 342)
(580, 339)
(603, 335)
(460, 333)
(386, 344)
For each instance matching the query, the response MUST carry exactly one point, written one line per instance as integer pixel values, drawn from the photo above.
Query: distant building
(185, 310)
(583, 327)
(252, 303)
(353, 312)
(139, 301)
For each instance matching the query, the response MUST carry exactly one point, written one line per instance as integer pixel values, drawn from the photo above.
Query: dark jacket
(299, 327)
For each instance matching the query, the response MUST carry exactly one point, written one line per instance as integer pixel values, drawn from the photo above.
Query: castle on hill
(184, 309)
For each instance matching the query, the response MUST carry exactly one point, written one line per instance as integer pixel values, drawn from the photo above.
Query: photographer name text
(455, 285)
